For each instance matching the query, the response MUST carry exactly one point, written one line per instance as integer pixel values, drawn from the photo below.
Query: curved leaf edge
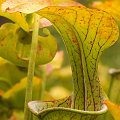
(12, 30)
(102, 111)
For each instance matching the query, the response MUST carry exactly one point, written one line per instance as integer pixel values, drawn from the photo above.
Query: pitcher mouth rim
(102, 111)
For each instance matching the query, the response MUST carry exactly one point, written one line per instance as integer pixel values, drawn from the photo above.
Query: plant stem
(31, 67)
(44, 81)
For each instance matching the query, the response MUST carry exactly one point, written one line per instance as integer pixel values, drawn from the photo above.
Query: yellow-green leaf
(87, 33)
(110, 6)
(30, 6)
(114, 109)
(20, 21)
(15, 45)
(60, 110)
(15, 17)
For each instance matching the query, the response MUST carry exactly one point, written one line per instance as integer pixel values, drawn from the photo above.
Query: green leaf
(86, 33)
(38, 106)
(60, 110)
(15, 46)
(30, 6)
(17, 18)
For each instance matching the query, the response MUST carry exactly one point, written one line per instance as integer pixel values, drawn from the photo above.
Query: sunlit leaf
(86, 33)
(15, 45)
(114, 109)
(25, 6)
(20, 21)
(15, 17)
(30, 6)
(110, 6)
(44, 22)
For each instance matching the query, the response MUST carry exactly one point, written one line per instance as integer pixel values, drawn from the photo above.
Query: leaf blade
(84, 39)
(16, 17)
(15, 46)
(110, 6)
